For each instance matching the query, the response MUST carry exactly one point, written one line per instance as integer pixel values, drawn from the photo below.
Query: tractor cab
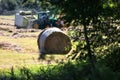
(42, 15)
(44, 20)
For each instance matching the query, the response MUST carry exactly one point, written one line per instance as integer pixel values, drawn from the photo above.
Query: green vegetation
(70, 70)
(112, 58)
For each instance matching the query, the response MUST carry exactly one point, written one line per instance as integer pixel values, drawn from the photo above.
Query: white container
(18, 20)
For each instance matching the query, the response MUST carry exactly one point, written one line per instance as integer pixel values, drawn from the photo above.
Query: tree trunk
(90, 54)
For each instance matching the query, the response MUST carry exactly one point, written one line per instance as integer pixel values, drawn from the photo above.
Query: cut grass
(7, 16)
(9, 58)
(28, 44)
(29, 54)
(28, 57)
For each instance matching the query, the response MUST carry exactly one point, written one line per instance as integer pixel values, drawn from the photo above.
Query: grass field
(26, 55)
(18, 52)
(19, 47)
(7, 16)
(10, 58)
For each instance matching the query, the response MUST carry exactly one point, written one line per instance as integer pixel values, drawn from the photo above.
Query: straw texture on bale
(54, 41)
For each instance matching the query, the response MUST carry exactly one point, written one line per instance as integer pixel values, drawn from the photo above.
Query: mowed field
(18, 47)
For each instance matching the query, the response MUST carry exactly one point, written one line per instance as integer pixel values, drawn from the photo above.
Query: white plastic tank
(18, 20)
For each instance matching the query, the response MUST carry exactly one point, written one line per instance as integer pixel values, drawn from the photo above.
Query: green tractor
(44, 20)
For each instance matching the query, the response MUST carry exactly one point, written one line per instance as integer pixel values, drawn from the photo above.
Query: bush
(66, 71)
(112, 59)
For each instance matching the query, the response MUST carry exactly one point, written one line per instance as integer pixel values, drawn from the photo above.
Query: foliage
(96, 14)
(29, 4)
(81, 12)
(38, 5)
(103, 36)
(35, 5)
(66, 71)
(78, 42)
(8, 4)
(112, 58)
(100, 36)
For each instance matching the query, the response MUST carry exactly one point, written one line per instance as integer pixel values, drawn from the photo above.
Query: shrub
(66, 71)
(112, 59)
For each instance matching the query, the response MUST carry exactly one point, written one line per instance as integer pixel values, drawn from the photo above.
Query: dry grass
(7, 16)
(19, 47)
(27, 56)
(27, 44)
(9, 58)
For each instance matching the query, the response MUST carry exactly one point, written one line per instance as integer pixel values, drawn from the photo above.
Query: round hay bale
(53, 41)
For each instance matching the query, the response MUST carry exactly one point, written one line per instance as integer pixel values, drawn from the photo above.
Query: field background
(18, 47)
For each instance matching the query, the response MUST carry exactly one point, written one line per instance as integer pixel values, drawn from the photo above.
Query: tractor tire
(35, 25)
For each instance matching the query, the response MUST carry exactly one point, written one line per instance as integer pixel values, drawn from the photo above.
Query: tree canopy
(89, 13)
(87, 10)
(8, 4)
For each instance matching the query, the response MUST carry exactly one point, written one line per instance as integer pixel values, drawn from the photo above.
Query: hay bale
(53, 41)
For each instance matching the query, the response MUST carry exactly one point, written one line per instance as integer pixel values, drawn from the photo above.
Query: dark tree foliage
(30, 4)
(95, 13)
(112, 59)
(37, 4)
(8, 4)
(82, 12)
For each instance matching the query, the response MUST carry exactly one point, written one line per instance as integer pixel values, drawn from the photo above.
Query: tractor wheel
(35, 25)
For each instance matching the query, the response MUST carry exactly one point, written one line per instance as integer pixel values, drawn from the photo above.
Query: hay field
(18, 47)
